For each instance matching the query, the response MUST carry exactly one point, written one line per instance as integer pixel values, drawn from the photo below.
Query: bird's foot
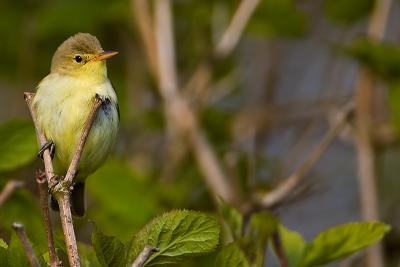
(48, 145)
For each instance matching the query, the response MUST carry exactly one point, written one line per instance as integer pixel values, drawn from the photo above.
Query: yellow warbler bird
(63, 102)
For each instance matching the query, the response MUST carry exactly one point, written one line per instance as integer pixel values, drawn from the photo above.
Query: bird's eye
(78, 59)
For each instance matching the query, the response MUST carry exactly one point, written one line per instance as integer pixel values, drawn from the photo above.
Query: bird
(62, 103)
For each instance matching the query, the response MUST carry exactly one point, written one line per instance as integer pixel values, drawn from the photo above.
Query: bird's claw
(48, 145)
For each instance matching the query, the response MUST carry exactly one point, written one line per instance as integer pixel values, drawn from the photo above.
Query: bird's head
(81, 55)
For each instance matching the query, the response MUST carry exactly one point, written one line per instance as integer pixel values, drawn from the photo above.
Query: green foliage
(278, 18)
(88, 256)
(332, 244)
(233, 220)
(23, 207)
(121, 197)
(231, 256)
(15, 255)
(342, 12)
(177, 234)
(293, 245)
(381, 58)
(109, 250)
(341, 241)
(394, 105)
(18, 144)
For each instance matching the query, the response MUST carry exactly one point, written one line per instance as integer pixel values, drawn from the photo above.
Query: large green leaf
(177, 234)
(18, 144)
(293, 245)
(109, 250)
(341, 241)
(341, 12)
(231, 256)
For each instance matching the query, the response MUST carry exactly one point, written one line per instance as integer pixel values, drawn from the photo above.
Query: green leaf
(18, 144)
(293, 245)
(15, 253)
(383, 59)
(267, 19)
(232, 218)
(126, 200)
(177, 234)
(262, 226)
(341, 241)
(3, 244)
(109, 250)
(231, 256)
(341, 12)
(88, 256)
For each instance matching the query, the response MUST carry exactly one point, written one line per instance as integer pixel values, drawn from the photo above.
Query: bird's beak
(104, 55)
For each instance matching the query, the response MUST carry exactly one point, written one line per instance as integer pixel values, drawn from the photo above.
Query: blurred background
(222, 98)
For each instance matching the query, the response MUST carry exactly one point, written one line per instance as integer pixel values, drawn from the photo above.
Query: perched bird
(63, 101)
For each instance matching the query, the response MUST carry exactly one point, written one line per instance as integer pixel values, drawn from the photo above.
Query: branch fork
(61, 187)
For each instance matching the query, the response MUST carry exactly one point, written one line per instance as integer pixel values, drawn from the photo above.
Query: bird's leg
(48, 145)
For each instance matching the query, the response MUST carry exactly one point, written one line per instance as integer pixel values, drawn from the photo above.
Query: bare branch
(365, 100)
(177, 108)
(8, 189)
(232, 34)
(20, 230)
(44, 203)
(144, 256)
(286, 187)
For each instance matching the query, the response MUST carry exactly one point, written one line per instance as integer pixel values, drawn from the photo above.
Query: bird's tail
(77, 200)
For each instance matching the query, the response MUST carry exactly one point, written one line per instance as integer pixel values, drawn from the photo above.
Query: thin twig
(44, 203)
(8, 189)
(233, 32)
(144, 256)
(278, 248)
(20, 231)
(278, 194)
(365, 100)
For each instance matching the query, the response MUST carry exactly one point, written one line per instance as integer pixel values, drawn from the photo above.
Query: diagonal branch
(282, 191)
(8, 189)
(20, 231)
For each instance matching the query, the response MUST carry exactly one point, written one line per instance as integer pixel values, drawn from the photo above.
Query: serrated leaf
(232, 218)
(177, 234)
(231, 256)
(341, 241)
(18, 144)
(293, 245)
(341, 12)
(109, 250)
